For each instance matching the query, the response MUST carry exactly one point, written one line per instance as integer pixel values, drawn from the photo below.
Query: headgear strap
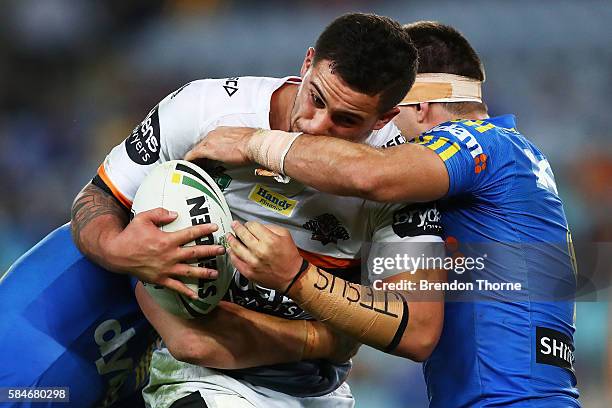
(438, 87)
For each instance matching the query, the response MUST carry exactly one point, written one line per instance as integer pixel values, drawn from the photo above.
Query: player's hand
(158, 257)
(265, 255)
(225, 144)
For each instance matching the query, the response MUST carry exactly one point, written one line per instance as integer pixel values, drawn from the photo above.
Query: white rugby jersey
(329, 230)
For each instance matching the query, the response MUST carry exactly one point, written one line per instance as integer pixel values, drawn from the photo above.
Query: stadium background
(76, 76)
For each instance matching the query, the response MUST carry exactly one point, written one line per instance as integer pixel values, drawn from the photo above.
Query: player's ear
(422, 112)
(310, 53)
(386, 118)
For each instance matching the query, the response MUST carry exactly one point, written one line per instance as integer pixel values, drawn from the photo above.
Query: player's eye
(317, 102)
(345, 121)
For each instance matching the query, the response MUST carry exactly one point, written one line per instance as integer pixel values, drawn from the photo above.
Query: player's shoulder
(481, 138)
(464, 130)
(232, 95)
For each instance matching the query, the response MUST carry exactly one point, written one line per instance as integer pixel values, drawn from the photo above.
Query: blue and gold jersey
(503, 347)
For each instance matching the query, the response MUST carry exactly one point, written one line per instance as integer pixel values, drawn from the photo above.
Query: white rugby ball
(181, 186)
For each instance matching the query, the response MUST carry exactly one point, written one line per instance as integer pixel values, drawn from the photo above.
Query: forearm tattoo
(91, 203)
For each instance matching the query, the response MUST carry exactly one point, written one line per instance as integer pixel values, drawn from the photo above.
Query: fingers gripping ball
(185, 188)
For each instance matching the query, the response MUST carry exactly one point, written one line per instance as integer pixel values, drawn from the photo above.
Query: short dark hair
(372, 54)
(443, 49)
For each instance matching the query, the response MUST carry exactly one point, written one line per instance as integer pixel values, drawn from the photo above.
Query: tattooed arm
(94, 206)
(101, 231)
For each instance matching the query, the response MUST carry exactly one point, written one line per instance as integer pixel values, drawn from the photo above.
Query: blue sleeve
(463, 156)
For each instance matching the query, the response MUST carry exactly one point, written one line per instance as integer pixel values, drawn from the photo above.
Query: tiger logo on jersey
(326, 228)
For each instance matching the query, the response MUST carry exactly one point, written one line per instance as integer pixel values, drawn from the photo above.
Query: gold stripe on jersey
(424, 140)
(438, 143)
(442, 146)
(484, 128)
(479, 125)
(449, 152)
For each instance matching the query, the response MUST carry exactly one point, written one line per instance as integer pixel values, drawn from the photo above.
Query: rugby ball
(181, 186)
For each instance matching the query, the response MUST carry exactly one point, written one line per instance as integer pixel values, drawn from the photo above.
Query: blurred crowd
(76, 76)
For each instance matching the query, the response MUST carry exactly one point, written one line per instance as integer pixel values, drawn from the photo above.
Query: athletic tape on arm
(376, 318)
(269, 148)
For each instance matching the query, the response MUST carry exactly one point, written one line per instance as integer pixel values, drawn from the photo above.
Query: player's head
(360, 69)
(442, 50)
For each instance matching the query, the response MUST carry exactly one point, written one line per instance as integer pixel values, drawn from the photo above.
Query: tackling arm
(405, 173)
(233, 337)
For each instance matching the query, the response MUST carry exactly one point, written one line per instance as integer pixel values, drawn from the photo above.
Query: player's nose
(320, 124)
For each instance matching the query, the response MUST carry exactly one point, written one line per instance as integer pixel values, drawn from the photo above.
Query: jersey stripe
(326, 261)
(122, 199)
(449, 152)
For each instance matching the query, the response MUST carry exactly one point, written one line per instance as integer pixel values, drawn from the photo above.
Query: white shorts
(171, 380)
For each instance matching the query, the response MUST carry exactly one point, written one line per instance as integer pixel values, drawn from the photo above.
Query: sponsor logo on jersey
(446, 149)
(326, 228)
(143, 144)
(231, 86)
(554, 348)
(252, 296)
(417, 219)
(272, 200)
(396, 141)
(114, 358)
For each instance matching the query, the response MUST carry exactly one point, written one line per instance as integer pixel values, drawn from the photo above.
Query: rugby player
(361, 67)
(59, 329)
(69, 323)
(497, 192)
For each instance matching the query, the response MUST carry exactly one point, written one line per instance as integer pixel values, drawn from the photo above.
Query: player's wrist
(114, 252)
(304, 267)
(270, 147)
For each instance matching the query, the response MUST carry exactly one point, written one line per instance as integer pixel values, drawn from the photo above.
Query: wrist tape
(270, 147)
